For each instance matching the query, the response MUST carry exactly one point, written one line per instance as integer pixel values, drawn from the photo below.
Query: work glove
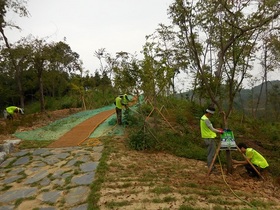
(221, 131)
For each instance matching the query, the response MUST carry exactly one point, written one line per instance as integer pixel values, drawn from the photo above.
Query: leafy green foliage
(141, 140)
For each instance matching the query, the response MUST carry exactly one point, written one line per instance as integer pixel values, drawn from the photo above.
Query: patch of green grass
(155, 200)
(78, 163)
(6, 187)
(125, 185)
(161, 190)
(148, 176)
(68, 180)
(76, 172)
(184, 207)
(190, 199)
(23, 174)
(262, 204)
(114, 204)
(222, 201)
(100, 173)
(191, 185)
(169, 199)
(20, 200)
(28, 144)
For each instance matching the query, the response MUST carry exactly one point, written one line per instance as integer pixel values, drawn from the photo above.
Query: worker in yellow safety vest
(125, 101)
(255, 158)
(11, 110)
(119, 105)
(208, 134)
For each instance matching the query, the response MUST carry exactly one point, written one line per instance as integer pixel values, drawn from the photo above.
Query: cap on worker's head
(210, 110)
(21, 110)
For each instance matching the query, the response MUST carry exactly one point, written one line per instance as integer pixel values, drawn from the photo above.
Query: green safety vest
(11, 109)
(119, 102)
(256, 158)
(206, 132)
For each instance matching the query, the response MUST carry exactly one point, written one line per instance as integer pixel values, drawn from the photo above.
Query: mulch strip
(81, 132)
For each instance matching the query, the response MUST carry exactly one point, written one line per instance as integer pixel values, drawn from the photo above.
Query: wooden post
(229, 162)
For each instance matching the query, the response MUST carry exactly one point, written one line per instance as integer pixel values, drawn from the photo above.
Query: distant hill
(257, 93)
(246, 97)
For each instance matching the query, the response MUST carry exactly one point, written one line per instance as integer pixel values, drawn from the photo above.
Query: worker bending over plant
(10, 111)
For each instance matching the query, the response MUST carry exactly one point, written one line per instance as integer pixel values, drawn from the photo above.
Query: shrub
(141, 140)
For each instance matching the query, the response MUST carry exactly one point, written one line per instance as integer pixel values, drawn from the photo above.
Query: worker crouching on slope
(208, 134)
(10, 111)
(119, 104)
(255, 158)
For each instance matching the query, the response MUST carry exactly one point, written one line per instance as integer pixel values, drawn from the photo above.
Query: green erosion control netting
(108, 128)
(59, 127)
(55, 130)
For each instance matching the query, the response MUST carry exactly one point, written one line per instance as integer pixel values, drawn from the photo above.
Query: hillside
(158, 180)
(248, 95)
(129, 179)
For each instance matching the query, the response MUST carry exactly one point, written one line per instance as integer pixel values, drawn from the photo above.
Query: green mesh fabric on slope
(108, 128)
(59, 127)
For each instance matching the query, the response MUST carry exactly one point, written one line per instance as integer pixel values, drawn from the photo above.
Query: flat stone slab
(51, 160)
(7, 207)
(50, 197)
(21, 153)
(12, 179)
(85, 179)
(17, 194)
(45, 177)
(22, 161)
(76, 195)
(37, 177)
(81, 207)
(88, 167)
(7, 162)
(42, 152)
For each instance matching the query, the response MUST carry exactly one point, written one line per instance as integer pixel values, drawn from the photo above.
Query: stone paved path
(48, 178)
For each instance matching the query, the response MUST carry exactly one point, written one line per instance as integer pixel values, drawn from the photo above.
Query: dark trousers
(119, 116)
(251, 171)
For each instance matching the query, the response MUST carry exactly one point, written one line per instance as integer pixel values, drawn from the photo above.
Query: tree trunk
(16, 67)
(41, 90)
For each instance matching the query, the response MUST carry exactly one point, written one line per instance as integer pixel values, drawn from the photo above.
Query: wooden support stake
(250, 163)
(214, 158)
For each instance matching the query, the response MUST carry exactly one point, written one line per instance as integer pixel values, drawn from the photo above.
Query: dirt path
(81, 132)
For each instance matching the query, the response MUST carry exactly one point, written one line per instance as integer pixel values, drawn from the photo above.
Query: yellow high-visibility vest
(11, 109)
(256, 158)
(206, 132)
(118, 102)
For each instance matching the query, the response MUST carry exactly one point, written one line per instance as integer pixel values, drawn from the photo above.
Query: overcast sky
(89, 25)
